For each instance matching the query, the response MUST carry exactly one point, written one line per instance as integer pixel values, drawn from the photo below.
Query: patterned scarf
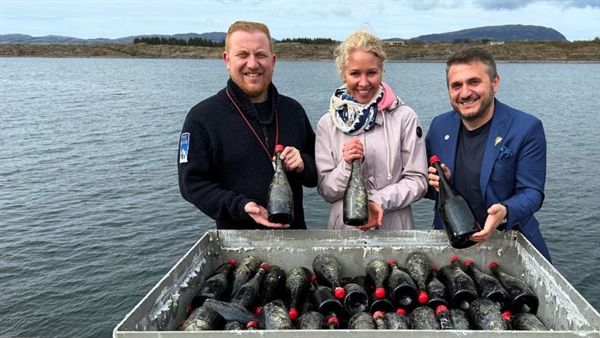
(352, 117)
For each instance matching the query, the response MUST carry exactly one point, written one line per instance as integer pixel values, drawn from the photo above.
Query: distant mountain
(496, 33)
(66, 40)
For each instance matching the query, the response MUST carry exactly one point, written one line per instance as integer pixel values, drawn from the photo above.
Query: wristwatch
(505, 220)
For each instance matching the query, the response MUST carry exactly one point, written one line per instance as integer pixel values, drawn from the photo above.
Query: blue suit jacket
(513, 169)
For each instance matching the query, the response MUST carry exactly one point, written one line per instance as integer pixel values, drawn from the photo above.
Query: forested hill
(491, 33)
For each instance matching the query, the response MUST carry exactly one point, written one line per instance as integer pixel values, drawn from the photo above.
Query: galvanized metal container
(562, 308)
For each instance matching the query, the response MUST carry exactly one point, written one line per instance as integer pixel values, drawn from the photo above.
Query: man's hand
(496, 213)
(434, 179)
(292, 160)
(260, 215)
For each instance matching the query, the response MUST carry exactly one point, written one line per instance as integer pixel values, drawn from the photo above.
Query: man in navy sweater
(227, 143)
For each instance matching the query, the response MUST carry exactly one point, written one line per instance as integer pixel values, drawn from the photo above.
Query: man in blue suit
(494, 155)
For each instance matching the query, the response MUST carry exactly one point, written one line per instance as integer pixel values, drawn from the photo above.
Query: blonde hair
(248, 26)
(359, 40)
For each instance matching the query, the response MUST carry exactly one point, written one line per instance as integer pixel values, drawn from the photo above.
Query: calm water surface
(91, 216)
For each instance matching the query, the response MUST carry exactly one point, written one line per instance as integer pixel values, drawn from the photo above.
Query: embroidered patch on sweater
(184, 144)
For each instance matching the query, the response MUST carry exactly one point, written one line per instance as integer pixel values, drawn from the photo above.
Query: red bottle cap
(401, 311)
(423, 297)
(339, 293)
(279, 147)
(264, 266)
(391, 261)
(506, 315)
(252, 324)
(232, 261)
(433, 267)
(433, 159)
(440, 309)
(468, 262)
(333, 320)
(454, 258)
(258, 310)
(493, 264)
(379, 293)
(293, 314)
(377, 314)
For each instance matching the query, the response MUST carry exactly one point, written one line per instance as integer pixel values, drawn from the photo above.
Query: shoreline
(512, 52)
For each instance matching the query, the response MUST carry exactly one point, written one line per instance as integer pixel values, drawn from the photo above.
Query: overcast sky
(576, 20)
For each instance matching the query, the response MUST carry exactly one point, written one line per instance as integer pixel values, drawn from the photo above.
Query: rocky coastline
(579, 51)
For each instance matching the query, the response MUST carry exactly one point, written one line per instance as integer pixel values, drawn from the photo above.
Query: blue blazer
(513, 169)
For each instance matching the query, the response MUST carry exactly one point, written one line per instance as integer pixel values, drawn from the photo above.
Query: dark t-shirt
(469, 156)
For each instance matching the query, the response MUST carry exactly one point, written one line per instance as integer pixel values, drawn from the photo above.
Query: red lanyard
(254, 131)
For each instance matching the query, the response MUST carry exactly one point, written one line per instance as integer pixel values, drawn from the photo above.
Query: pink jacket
(394, 148)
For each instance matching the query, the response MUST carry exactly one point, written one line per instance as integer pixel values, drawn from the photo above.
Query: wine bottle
(244, 271)
(396, 321)
(247, 294)
(401, 285)
(324, 299)
(252, 325)
(311, 320)
(361, 321)
(507, 319)
(331, 321)
(280, 203)
(356, 299)
(328, 270)
(419, 268)
(216, 286)
(443, 316)
(454, 211)
(488, 286)
(461, 287)
(522, 298)
(460, 319)
(356, 198)
(437, 291)
(423, 318)
(378, 301)
(234, 325)
(380, 322)
(229, 311)
(273, 286)
(297, 285)
(274, 315)
(203, 319)
(378, 271)
(527, 321)
(485, 315)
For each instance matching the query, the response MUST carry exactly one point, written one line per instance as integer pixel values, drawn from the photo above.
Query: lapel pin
(498, 139)
(447, 137)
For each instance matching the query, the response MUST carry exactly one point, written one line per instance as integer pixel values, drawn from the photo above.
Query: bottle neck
(444, 184)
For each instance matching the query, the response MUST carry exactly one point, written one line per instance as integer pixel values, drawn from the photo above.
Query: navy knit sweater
(227, 166)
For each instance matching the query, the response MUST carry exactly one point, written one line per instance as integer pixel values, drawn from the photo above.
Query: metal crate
(562, 308)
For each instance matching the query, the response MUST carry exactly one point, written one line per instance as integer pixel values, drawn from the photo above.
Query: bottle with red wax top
(522, 298)
(488, 286)
(401, 285)
(247, 294)
(461, 287)
(437, 291)
(280, 199)
(217, 286)
(454, 211)
(328, 270)
(419, 267)
(297, 285)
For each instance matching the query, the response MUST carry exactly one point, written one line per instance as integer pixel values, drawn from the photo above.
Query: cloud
(496, 5)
